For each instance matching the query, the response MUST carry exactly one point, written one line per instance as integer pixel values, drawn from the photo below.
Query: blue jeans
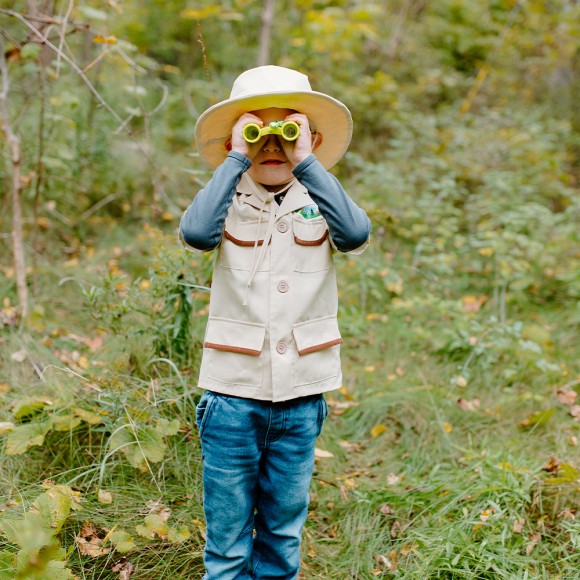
(258, 459)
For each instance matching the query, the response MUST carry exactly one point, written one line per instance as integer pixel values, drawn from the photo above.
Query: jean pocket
(203, 411)
(322, 413)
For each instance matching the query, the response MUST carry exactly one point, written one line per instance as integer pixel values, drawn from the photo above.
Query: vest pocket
(312, 250)
(232, 351)
(317, 342)
(237, 246)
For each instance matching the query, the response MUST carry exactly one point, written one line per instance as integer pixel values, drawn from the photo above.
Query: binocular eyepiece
(289, 130)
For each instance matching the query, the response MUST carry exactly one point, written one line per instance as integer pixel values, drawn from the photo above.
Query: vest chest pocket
(312, 249)
(237, 246)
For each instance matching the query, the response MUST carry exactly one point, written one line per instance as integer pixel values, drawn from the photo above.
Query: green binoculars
(288, 129)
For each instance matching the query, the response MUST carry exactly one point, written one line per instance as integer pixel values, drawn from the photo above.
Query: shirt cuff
(304, 165)
(240, 157)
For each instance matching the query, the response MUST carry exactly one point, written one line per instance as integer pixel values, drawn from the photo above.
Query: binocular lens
(289, 130)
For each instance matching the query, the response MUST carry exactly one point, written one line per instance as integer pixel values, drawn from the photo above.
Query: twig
(62, 35)
(74, 66)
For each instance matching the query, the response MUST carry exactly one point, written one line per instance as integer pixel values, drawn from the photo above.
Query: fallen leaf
(124, 568)
(466, 405)
(575, 412)
(551, 466)
(322, 454)
(565, 396)
(461, 381)
(538, 419)
(534, 539)
(104, 497)
(19, 355)
(518, 526)
(386, 509)
(393, 478)
(447, 427)
(378, 430)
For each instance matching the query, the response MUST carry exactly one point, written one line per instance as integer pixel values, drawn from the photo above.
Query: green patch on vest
(309, 212)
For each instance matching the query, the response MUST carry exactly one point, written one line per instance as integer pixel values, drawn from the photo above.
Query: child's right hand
(239, 144)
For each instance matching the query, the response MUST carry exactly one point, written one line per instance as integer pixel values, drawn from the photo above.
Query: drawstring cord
(269, 231)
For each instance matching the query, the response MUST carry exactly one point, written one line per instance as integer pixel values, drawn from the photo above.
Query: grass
(438, 468)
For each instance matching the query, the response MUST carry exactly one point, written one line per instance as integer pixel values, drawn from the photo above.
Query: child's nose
(271, 144)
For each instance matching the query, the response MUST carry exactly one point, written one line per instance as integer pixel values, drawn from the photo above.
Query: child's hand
(297, 151)
(239, 144)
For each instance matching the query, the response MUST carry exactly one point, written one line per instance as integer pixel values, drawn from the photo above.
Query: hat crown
(269, 79)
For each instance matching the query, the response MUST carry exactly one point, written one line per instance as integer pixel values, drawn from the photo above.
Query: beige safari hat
(274, 86)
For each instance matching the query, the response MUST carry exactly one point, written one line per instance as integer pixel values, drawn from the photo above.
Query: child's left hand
(297, 151)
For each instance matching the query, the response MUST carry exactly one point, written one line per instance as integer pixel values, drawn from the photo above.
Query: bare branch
(63, 33)
(74, 66)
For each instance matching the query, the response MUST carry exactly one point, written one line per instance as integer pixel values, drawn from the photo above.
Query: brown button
(282, 227)
(281, 348)
(283, 286)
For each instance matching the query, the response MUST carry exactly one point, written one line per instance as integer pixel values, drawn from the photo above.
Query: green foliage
(161, 309)
(451, 451)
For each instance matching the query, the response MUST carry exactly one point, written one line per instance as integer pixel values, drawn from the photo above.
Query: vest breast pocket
(238, 251)
(312, 249)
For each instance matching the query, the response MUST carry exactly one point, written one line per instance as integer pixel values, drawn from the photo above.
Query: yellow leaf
(370, 369)
(378, 430)
(193, 14)
(447, 427)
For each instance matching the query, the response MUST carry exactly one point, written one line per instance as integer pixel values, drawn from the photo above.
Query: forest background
(452, 449)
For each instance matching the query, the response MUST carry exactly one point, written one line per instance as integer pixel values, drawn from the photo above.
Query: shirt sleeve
(202, 224)
(349, 224)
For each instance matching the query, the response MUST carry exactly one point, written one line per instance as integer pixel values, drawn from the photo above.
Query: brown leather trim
(228, 348)
(318, 347)
(245, 243)
(317, 242)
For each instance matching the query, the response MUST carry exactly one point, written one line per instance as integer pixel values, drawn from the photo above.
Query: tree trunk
(266, 33)
(15, 156)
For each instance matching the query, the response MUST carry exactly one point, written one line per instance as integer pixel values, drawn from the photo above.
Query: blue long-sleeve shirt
(202, 223)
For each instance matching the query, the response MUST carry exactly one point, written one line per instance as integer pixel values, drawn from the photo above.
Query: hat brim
(328, 115)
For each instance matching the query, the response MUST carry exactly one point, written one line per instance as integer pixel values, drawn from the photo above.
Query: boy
(271, 346)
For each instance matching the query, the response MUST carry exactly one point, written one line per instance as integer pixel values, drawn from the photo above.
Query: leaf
(28, 532)
(54, 505)
(466, 405)
(122, 541)
(575, 412)
(447, 427)
(177, 536)
(194, 14)
(322, 454)
(566, 396)
(168, 428)
(124, 568)
(65, 422)
(28, 406)
(19, 355)
(88, 416)
(6, 427)
(140, 447)
(154, 525)
(92, 546)
(378, 430)
(104, 497)
(23, 437)
(46, 563)
(536, 419)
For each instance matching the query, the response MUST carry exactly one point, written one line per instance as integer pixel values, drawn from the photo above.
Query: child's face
(270, 165)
